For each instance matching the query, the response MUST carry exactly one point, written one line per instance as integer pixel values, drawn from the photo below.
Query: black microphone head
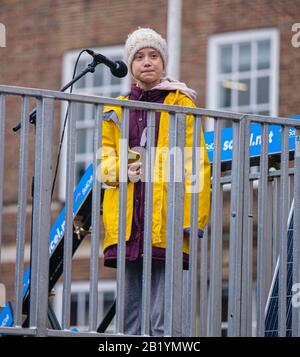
(120, 70)
(90, 52)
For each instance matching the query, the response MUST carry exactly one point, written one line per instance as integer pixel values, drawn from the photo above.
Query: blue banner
(57, 232)
(6, 316)
(274, 138)
(58, 229)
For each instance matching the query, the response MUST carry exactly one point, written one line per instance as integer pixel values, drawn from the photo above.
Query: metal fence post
(21, 220)
(68, 238)
(261, 239)
(41, 216)
(236, 229)
(282, 313)
(296, 242)
(173, 264)
(192, 274)
(122, 222)
(247, 251)
(95, 238)
(147, 258)
(215, 283)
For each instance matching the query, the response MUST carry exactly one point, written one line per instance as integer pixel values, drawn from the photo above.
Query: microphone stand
(32, 119)
(90, 68)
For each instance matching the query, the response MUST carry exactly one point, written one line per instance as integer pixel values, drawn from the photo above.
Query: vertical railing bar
(95, 236)
(21, 218)
(215, 281)
(250, 266)
(179, 204)
(197, 157)
(68, 237)
(261, 243)
(203, 285)
(246, 290)
(288, 192)
(122, 222)
(39, 277)
(283, 233)
(2, 141)
(268, 237)
(179, 200)
(236, 230)
(33, 310)
(173, 273)
(169, 264)
(147, 255)
(296, 234)
(274, 225)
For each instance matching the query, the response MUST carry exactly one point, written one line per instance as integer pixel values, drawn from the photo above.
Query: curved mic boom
(117, 68)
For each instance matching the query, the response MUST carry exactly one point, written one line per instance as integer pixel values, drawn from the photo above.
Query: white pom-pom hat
(144, 38)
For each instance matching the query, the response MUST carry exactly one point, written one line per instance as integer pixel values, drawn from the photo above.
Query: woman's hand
(135, 171)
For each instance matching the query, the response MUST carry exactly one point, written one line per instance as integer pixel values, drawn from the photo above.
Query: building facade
(238, 55)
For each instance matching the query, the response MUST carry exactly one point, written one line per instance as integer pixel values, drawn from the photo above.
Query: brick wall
(204, 18)
(80, 272)
(39, 33)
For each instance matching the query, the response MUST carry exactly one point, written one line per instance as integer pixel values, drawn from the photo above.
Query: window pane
(244, 56)
(264, 112)
(244, 92)
(87, 306)
(98, 76)
(108, 299)
(263, 54)
(81, 141)
(115, 80)
(225, 95)
(80, 111)
(74, 304)
(263, 90)
(225, 64)
(80, 67)
(79, 171)
(90, 141)
(114, 94)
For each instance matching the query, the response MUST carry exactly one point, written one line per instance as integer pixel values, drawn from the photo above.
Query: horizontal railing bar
(255, 176)
(66, 333)
(272, 120)
(92, 99)
(18, 331)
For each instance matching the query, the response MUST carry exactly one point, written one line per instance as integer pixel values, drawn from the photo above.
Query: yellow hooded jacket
(110, 154)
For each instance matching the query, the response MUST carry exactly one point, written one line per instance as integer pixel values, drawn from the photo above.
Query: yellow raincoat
(109, 171)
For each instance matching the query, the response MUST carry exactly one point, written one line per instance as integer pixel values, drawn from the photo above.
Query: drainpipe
(174, 38)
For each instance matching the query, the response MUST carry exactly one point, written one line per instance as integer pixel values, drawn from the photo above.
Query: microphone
(117, 68)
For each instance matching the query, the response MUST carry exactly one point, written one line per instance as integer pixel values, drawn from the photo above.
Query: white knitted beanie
(142, 38)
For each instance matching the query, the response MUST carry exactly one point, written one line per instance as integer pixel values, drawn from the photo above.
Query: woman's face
(147, 67)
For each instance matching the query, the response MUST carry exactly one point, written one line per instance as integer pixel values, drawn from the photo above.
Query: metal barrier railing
(202, 312)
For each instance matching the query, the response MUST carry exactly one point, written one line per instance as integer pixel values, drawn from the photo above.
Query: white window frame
(215, 41)
(80, 287)
(69, 59)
